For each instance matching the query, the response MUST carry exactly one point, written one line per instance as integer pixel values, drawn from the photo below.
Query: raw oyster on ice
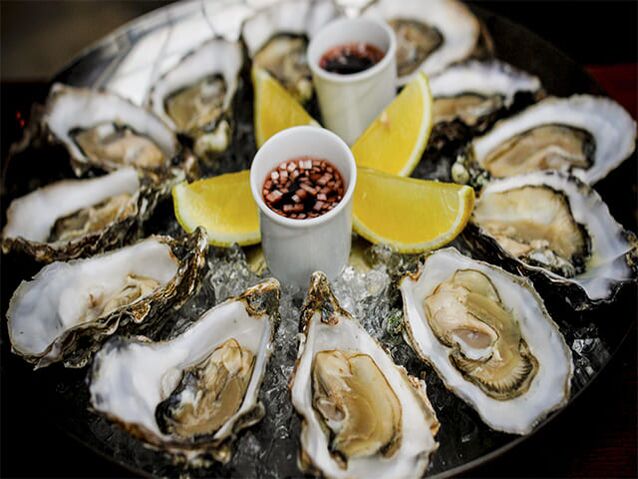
(362, 415)
(103, 130)
(277, 36)
(195, 97)
(430, 35)
(66, 310)
(73, 218)
(474, 92)
(190, 395)
(553, 224)
(585, 135)
(489, 337)
(469, 98)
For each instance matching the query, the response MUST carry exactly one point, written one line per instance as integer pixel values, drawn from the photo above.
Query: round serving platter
(128, 61)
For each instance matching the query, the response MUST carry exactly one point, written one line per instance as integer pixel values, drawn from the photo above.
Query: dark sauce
(303, 188)
(351, 58)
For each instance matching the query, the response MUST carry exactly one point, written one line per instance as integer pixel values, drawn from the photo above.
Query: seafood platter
(180, 331)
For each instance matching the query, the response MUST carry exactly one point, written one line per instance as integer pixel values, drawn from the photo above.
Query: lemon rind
(259, 76)
(215, 237)
(426, 127)
(466, 198)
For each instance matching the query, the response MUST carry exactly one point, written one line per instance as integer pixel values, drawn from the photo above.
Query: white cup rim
(352, 77)
(256, 184)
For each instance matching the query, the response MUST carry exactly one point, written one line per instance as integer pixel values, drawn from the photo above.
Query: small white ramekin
(349, 103)
(294, 249)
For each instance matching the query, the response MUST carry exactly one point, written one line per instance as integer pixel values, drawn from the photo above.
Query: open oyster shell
(66, 310)
(476, 92)
(489, 337)
(75, 218)
(362, 415)
(553, 226)
(103, 130)
(195, 97)
(276, 39)
(585, 135)
(192, 394)
(469, 97)
(430, 35)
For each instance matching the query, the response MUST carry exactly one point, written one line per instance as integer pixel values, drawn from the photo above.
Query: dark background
(594, 437)
(39, 37)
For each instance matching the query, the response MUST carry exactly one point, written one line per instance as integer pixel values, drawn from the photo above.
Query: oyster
(430, 35)
(474, 92)
(199, 388)
(489, 337)
(195, 97)
(73, 218)
(277, 37)
(553, 224)
(363, 415)
(585, 135)
(66, 310)
(103, 130)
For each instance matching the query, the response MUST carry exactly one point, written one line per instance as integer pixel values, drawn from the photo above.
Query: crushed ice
(269, 449)
(366, 288)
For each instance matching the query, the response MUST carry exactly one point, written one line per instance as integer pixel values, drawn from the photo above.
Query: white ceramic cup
(294, 249)
(349, 103)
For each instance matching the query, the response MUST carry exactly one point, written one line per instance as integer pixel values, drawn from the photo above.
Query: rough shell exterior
(77, 345)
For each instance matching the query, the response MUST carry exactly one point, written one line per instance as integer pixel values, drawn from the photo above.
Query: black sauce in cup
(351, 58)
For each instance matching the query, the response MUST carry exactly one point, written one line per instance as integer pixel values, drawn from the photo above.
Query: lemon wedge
(396, 139)
(224, 205)
(275, 109)
(408, 214)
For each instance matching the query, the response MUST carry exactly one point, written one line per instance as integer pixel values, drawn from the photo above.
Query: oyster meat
(474, 91)
(72, 218)
(489, 337)
(362, 415)
(191, 395)
(553, 224)
(195, 97)
(103, 130)
(66, 310)
(277, 36)
(585, 135)
(430, 35)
